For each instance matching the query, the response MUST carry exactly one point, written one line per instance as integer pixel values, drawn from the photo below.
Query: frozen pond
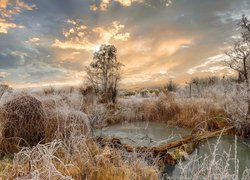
(155, 133)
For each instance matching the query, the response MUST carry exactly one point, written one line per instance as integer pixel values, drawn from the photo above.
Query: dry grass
(62, 122)
(77, 158)
(214, 165)
(69, 152)
(198, 113)
(23, 123)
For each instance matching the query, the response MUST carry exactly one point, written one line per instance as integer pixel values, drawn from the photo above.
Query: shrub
(23, 122)
(214, 165)
(129, 93)
(144, 93)
(171, 86)
(86, 90)
(78, 158)
(49, 90)
(63, 122)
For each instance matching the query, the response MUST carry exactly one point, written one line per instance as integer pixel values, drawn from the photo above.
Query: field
(48, 133)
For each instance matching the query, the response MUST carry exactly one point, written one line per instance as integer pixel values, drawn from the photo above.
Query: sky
(50, 42)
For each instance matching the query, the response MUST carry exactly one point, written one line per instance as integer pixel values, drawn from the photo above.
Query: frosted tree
(239, 60)
(103, 73)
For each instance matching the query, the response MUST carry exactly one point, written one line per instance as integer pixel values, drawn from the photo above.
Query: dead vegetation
(64, 148)
(51, 133)
(197, 113)
(22, 123)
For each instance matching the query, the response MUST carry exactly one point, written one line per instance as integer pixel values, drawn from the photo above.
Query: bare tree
(239, 56)
(239, 60)
(103, 73)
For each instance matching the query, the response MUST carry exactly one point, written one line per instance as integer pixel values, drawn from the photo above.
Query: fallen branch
(183, 146)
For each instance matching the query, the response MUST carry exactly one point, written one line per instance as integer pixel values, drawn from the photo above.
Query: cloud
(3, 3)
(127, 3)
(104, 4)
(204, 67)
(6, 25)
(168, 2)
(153, 42)
(20, 4)
(4, 74)
(34, 40)
(8, 9)
(107, 34)
(81, 37)
(93, 7)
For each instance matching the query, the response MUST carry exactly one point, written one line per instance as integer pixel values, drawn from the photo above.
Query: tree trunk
(247, 125)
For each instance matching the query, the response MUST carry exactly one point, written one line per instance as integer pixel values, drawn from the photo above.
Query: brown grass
(76, 158)
(191, 113)
(201, 114)
(23, 123)
(61, 123)
(70, 151)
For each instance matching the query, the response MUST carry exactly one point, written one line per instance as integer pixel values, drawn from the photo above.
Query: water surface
(155, 133)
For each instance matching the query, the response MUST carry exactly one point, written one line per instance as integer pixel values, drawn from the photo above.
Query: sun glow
(97, 48)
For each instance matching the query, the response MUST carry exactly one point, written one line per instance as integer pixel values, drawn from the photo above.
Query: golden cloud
(104, 4)
(127, 3)
(3, 74)
(8, 9)
(34, 40)
(211, 61)
(20, 4)
(5, 26)
(3, 3)
(81, 37)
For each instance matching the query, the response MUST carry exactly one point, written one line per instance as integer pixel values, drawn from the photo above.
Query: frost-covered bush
(144, 93)
(209, 87)
(22, 123)
(237, 109)
(77, 158)
(214, 165)
(63, 122)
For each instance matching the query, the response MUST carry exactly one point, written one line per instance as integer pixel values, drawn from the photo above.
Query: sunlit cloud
(6, 25)
(3, 74)
(8, 9)
(34, 40)
(128, 2)
(93, 7)
(20, 4)
(156, 40)
(168, 2)
(104, 4)
(169, 47)
(75, 53)
(204, 67)
(80, 37)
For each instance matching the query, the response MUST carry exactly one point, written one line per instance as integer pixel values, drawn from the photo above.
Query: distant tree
(171, 86)
(103, 73)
